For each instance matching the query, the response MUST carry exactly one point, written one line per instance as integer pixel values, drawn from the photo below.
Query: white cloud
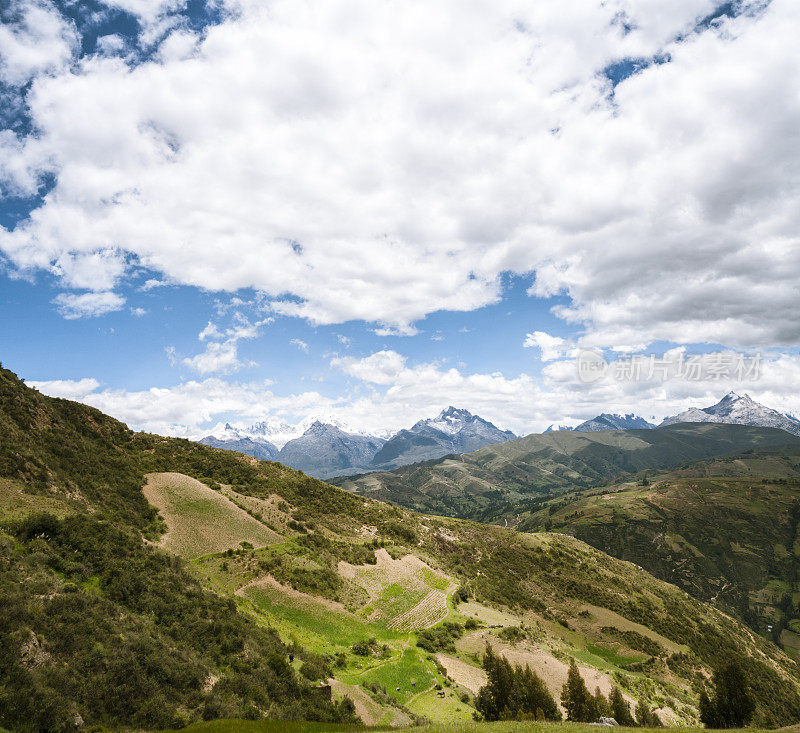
(69, 389)
(405, 393)
(395, 395)
(382, 367)
(184, 409)
(300, 344)
(138, 312)
(221, 353)
(552, 347)
(34, 39)
(362, 161)
(88, 305)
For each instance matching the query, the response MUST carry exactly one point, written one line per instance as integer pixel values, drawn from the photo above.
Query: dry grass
(466, 675)
(199, 520)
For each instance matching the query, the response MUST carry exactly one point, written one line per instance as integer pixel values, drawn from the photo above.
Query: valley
(239, 586)
(499, 482)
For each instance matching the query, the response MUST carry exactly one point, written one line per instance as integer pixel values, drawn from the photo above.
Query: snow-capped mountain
(609, 421)
(555, 428)
(327, 447)
(452, 431)
(324, 450)
(274, 429)
(230, 438)
(738, 410)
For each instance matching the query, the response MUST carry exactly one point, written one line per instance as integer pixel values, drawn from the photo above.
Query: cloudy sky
(370, 209)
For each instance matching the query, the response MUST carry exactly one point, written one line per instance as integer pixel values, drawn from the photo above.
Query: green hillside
(724, 529)
(501, 480)
(246, 584)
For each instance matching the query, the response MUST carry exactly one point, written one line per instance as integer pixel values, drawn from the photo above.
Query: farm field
(328, 603)
(200, 520)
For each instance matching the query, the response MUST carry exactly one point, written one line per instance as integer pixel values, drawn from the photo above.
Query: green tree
(620, 710)
(513, 693)
(576, 699)
(732, 705)
(645, 716)
(601, 704)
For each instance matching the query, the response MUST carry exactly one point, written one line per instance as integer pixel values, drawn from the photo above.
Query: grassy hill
(501, 480)
(724, 529)
(245, 583)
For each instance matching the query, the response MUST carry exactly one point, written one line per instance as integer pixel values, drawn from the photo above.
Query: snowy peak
(450, 421)
(325, 450)
(453, 430)
(738, 410)
(614, 421)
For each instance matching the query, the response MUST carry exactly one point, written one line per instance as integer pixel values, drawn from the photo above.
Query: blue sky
(223, 211)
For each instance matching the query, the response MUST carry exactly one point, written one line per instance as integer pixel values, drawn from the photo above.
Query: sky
(368, 210)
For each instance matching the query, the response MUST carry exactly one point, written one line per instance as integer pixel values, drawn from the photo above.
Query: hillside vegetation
(393, 608)
(500, 481)
(724, 529)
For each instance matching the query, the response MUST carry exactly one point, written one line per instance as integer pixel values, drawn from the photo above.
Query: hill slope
(724, 529)
(497, 481)
(347, 585)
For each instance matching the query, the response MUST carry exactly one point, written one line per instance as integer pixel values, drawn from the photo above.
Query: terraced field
(394, 591)
(404, 594)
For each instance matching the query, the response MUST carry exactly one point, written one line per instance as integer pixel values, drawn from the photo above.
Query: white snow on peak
(738, 410)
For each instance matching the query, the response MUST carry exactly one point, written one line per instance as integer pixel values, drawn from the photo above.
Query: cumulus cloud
(552, 347)
(221, 352)
(34, 39)
(287, 151)
(69, 389)
(395, 394)
(88, 305)
(183, 409)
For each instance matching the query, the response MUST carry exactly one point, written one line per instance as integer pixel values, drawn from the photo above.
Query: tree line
(517, 693)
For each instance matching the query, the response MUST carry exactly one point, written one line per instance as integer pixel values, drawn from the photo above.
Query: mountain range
(732, 409)
(498, 482)
(325, 449)
(150, 583)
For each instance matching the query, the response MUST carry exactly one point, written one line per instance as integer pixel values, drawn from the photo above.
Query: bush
(315, 667)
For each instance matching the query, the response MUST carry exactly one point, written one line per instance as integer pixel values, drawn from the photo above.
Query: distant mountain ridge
(326, 448)
(607, 421)
(499, 481)
(734, 409)
(230, 438)
(452, 431)
(324, 451)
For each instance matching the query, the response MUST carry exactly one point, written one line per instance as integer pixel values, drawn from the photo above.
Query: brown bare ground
(462, 673)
